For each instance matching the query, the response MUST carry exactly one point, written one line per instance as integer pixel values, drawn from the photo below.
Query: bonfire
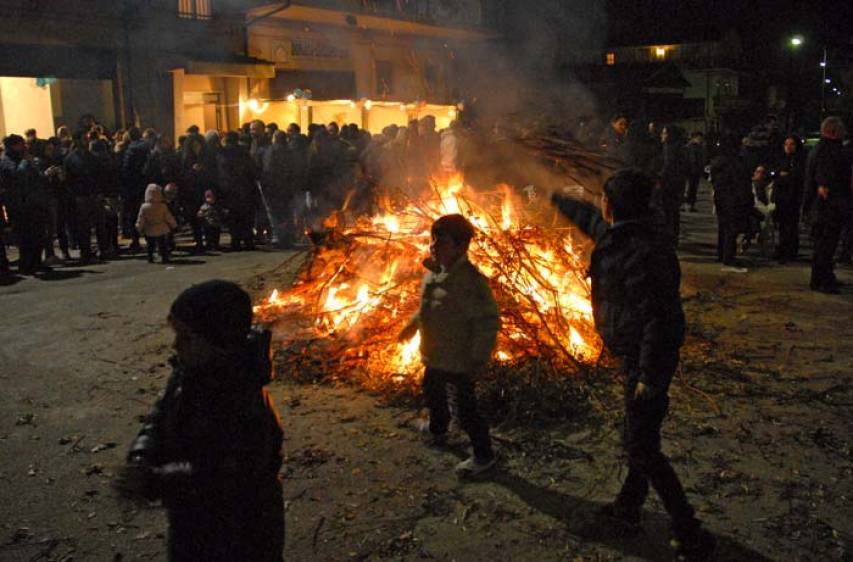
(360, 283)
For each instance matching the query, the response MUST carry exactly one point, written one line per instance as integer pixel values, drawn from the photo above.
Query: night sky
(763, 26)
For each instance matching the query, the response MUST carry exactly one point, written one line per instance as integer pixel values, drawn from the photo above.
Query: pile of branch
(360, 283)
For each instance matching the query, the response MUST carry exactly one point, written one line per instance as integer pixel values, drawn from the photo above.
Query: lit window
(611, 59)
(660, 52)
(195, 9)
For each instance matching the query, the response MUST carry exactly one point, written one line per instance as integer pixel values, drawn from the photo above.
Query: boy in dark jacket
(211, 447)
(637, 309)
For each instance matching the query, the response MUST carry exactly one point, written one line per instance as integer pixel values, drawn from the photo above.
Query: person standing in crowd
(106, 191)
(647, 149)
(790, 174)
(450, 149)
(637, 308)
(673, 176)
(615, 141)
(60, 206)
(277, 186)
(80, 179)
(195, 180)
(237, 176)
(27, 201)
(829, 171)
(733, 201)
(696, 159)
(133, 183)
(163, 165)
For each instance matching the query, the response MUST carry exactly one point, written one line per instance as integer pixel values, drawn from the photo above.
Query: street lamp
(794, 44)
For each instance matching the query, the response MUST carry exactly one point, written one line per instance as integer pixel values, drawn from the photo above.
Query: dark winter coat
(732, 182)
(80, 180)
(162, 167)
(132, 169)
(237, 177)
(673, 170)
(212, 446)
(618, 147)
(635, 288)
(24, 188)
(696, 158)
(788, 185)
(832, 169)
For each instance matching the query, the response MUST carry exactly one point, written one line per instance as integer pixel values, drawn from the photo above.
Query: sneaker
(473, 466)
(733, 269)
(699, 548)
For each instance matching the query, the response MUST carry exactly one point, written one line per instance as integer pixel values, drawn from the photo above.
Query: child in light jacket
(458, 320)
(155, 222)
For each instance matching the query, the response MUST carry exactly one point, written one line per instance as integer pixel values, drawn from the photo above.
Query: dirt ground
(760, 431)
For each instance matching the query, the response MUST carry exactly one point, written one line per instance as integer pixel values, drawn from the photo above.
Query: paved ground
(760, 430)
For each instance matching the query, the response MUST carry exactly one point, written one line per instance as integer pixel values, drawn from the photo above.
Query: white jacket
(155, 218)
(458, 319)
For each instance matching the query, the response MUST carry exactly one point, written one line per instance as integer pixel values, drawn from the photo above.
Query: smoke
(525, 74)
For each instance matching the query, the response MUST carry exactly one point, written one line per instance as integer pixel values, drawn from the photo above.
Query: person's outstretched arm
(585, 216)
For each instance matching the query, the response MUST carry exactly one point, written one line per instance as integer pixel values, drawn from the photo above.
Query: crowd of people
(766, 187)
(83, 190)
(263, 184)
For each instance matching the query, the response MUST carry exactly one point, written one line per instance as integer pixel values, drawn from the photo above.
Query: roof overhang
(367, 22)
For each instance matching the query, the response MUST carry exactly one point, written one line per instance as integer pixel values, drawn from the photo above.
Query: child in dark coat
(637, 309)
(211, 447)
(211, 215)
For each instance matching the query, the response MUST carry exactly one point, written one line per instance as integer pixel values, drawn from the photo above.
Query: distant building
(696, 84)
(173, 63)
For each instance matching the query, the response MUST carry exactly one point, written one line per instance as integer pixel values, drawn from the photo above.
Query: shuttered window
(195, 9)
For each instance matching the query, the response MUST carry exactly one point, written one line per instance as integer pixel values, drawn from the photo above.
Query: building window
(611, 59)
(195, 9)
(660, 52)
(384, 77)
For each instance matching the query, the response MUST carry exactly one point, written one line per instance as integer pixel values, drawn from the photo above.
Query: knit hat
(220, 311)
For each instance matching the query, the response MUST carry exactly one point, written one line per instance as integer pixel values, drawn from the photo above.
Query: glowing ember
(356, 292)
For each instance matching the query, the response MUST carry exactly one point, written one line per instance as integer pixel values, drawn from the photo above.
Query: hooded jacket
(458, 319)
(154, 217)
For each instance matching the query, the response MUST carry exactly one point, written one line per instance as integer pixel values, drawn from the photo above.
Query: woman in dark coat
(239, 192)
(733, 200)
(788, 195)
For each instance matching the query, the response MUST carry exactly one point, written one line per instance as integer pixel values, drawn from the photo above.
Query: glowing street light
(797, 40)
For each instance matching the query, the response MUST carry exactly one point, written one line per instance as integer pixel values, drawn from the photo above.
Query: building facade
(697, 85)
(174, 63)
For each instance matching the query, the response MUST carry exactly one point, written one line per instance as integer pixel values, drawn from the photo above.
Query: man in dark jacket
(134, 182)
(27, 201)
(733, 200)
(673, 176)
(237, 177)
(831, 169)
(211, 447)
(788, 195)
(615, 141)
(637, 309)
(696, 157)
(81, 181)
